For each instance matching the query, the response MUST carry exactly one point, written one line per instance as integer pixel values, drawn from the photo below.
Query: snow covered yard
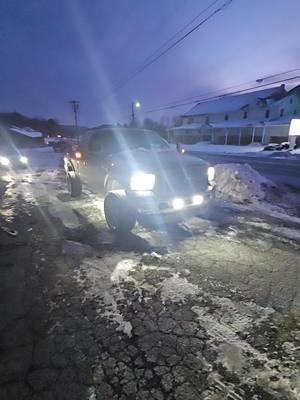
(255, 150)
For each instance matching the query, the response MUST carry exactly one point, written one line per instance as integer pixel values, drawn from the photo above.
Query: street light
(134, 104)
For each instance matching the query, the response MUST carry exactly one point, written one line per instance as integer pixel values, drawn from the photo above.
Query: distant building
(20, 137)
(261, 116)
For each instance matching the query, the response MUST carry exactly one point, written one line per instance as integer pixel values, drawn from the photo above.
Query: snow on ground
(254, 150)
(226, 322)
(43, 157)
(177, 289)
(242, 184)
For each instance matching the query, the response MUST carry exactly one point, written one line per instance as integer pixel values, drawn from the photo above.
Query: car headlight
(210, 174)
(142, 181)
(23, 160)
(4, 161)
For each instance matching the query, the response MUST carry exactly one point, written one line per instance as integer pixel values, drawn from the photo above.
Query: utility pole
(75, 108)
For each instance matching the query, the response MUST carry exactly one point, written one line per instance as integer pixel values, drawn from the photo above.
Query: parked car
(61, 146)
(277, 146)
(138, 173)
(11, 158)
(285, 145)
(272, 147)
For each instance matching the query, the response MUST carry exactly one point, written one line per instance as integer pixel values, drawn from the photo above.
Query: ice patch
(122, 271)
(65, 214)
(97, 280)
(113, 314)
(289, 233)
(177, 289)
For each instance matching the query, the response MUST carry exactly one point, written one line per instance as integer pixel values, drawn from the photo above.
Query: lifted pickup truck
(137, 172)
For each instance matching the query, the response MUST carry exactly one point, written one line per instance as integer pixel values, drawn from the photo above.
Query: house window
(245, 115)
(281, 112)
(226, 117)
(190, 120)
(295, 112)
(267, 114)
(291, 100)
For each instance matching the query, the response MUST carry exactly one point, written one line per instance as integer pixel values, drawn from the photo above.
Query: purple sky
(52, 51)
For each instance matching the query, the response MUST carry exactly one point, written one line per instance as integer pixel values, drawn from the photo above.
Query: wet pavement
(207, 309)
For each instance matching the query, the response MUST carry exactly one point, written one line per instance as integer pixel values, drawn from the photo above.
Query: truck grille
(181, 181)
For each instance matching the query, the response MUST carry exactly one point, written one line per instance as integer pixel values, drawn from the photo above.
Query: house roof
(229, 103)
(26, 132)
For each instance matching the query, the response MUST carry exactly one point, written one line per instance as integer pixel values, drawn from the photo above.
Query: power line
(229, 88)
(274, 75)
(223, 95)
(176, 34)
(202, 22)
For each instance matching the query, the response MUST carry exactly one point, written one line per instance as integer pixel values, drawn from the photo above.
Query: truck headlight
(210, 174)
(4, 161)
(142, 181)
(23, 160)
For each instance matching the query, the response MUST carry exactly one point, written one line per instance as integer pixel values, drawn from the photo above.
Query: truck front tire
(74, 184)
(119, 215)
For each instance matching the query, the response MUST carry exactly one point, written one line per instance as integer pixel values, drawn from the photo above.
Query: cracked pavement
(208, 309)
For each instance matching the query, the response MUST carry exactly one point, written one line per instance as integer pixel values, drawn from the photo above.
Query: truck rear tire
(119, 215)
(74, 185)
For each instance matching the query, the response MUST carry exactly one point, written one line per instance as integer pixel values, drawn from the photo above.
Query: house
(261, 116)
(20, 137)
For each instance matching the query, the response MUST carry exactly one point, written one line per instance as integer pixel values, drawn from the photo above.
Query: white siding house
(261, 116)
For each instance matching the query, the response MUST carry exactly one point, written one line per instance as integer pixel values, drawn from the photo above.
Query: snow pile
(242, 184)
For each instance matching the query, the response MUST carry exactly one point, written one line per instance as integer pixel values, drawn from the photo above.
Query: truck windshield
(115, 142)
(141, 140)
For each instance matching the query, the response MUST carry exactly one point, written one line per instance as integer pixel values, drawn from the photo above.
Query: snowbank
(242, 184)
(224, 149)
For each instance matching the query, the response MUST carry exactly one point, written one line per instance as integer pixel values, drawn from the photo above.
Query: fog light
(178, 204)
(23, 160)
(197, 199)
(210, 173)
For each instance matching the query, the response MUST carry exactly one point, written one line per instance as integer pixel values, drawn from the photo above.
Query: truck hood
(153, 161)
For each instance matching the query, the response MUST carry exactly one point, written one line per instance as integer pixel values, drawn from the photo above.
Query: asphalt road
(279, 169)
(203, 310)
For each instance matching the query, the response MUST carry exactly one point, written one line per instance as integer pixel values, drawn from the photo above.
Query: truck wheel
(74, 185)
(119, 215)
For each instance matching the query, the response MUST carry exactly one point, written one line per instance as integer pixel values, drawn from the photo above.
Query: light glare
(197, 199)
(178, 204)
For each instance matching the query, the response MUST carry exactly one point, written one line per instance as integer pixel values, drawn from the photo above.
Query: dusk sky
(52, 51)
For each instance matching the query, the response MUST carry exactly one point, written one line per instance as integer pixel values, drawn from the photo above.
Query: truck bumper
(148, 203)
